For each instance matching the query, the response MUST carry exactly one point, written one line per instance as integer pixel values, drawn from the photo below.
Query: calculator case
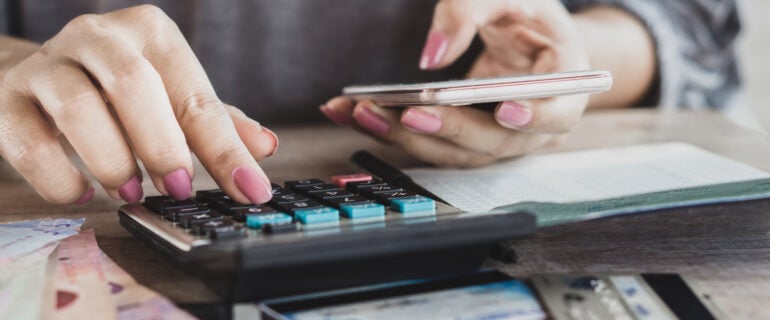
(325, 258)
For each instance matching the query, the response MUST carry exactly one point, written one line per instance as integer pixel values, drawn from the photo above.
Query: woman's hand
(520, 37)
(121, 86)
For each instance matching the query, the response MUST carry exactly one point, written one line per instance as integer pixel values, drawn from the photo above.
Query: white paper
(583, 175)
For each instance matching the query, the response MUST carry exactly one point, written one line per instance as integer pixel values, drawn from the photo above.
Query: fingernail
(275, 140)
(86, 196)
(178, 184)
(514, 114)
(336, 116)
(131, 191)
(252, 184)
(371, 121)
(434, 50)
(421, 121)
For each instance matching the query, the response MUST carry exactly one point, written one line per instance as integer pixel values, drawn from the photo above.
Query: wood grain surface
(724, 248)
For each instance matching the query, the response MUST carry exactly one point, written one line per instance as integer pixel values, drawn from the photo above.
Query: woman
(127, 83)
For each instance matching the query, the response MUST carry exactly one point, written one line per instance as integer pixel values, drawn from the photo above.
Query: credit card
(580, 297)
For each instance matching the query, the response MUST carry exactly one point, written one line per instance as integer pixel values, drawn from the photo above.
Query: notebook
(570, 186)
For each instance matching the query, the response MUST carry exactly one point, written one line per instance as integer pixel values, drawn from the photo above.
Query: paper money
(23, 284)
(20, 238)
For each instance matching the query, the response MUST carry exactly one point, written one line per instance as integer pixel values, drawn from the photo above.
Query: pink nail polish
(178, 184)
(275, 140)
(434, 50)
(371, 121)
(88, 196)
(336, 116)
(421, 121)
(252, 184)
(514, 114)
(131, 191)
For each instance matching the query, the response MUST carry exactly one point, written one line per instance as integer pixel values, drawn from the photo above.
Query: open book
(578, 185)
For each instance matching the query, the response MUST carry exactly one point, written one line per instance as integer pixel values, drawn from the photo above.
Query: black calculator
(316, 235)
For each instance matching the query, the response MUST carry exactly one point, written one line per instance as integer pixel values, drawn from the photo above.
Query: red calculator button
(342, 181)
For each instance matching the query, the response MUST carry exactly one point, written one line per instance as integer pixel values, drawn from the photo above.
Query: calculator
(316, 235)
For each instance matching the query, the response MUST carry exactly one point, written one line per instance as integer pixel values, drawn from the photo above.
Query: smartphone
(464, 92)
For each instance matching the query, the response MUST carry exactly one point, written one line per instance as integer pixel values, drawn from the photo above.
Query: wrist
(617, 41)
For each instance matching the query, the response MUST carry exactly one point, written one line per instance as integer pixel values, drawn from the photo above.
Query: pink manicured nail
(421, 121)
(336, 116)
(131, 191)
(252, 184)
(178, 184)
(275, 140)
(434, 50)
(370, 120)
(514, 114)
(86, 196)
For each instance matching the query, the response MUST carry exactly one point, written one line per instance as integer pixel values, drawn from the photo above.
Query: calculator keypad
(212, 214)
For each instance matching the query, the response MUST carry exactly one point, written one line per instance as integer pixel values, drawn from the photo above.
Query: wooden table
(726, 248)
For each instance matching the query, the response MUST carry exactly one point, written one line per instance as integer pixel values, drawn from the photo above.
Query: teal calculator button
(318, 215)
(256, 221)
(362, 210)
(413, 204)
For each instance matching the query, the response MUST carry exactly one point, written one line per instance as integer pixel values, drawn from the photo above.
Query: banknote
(21, 238)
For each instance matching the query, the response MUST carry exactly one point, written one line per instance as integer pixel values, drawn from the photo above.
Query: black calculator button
(291, 185)
(174, 214)
(211, 195)
(273, 228)
(370, 191)
(218, 229)
(278, 190)
(190, 221)
(336, 202)
(298, 205)
(386, 197)
(160, 204)
(288, 198)
(240, 213)
(315, 188)
(355, 186)
(326, 195)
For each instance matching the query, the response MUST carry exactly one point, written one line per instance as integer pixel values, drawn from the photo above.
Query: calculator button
(326, 195)
(342, 181)
(288, 198)
(278, 190)
(298, 205)
(239, 213)
(218, 229)
(257, 221)
(291, 185)
(317, 215)
(362, 210)
(373, 190)
(355, 185)
(337, 202)
(273, 228)
(174, 214)
(160, 204)
(413, 204)
(386, 197)
(190, 221)
(306, 190)
(211, 195)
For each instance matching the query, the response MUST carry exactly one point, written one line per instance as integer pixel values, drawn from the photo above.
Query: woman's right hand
(121, 86)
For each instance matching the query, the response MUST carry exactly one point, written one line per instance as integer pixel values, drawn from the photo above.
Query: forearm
(13, 51)
(616, 41)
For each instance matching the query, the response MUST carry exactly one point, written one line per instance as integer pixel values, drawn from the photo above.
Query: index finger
(207, 126)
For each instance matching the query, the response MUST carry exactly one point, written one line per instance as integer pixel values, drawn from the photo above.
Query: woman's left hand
(520, 37)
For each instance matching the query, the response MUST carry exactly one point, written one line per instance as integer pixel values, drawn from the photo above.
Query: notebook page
(583, 175)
